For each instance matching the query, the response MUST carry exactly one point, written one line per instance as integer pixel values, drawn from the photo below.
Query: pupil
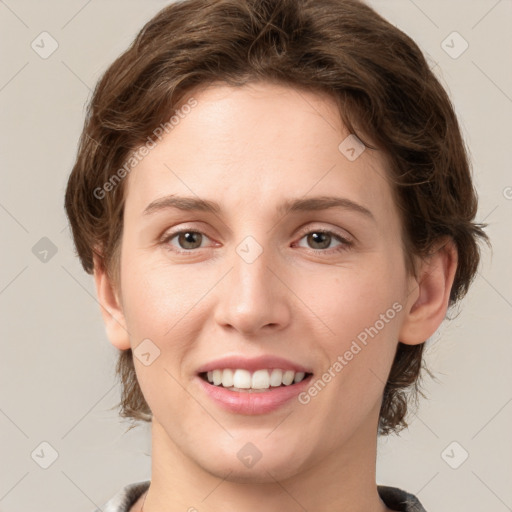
(189, 237)
(315, 236)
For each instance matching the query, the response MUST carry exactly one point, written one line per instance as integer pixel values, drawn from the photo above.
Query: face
(322, 286)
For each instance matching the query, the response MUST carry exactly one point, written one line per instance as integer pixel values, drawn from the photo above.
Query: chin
(246, 465)
(259, 474)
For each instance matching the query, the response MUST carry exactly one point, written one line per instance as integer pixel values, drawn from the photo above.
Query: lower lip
(260, 402)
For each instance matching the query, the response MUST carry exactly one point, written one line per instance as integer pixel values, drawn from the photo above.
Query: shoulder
(399, 500)
(123, 500)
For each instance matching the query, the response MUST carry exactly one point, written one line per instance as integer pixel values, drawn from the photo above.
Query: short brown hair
(386, 92)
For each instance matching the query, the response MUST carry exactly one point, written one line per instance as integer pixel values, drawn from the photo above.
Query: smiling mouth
(257, 387)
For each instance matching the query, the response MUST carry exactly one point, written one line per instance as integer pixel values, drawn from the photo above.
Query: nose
(254, 296)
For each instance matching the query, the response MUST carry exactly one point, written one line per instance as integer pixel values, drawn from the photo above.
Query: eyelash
(345, 243)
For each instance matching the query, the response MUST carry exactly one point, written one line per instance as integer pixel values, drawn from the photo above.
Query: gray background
(57, 366)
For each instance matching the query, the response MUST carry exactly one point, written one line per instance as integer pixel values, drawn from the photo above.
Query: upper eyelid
(333, 231)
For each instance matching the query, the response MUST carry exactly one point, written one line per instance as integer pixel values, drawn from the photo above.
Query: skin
(238, 146)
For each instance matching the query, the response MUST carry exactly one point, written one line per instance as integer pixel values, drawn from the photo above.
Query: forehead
(257, 141)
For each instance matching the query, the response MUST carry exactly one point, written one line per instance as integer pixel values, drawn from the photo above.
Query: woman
(275, 200)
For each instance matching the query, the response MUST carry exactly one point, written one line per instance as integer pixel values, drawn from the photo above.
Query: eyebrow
(288, 206)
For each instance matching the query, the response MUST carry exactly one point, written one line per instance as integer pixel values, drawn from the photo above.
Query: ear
(111, 307)
(430, 294)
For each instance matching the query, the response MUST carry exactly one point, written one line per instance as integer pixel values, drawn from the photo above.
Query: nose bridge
(252, 297)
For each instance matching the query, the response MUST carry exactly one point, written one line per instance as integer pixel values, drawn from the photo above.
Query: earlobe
(111, 308)
(430, 299)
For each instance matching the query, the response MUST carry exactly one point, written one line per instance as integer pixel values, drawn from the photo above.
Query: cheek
(348, 300)
(157, 294)
(362, 309)
(363, 313)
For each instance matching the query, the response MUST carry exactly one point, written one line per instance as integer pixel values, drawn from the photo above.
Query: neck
(342, 479)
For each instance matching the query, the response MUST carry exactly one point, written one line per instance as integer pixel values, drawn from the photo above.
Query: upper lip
(253, 364)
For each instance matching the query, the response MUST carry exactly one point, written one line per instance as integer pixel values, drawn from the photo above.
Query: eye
(187, 240)
(321, 239)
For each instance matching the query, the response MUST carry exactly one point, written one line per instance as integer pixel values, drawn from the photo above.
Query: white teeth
(276, 378)
(217, 377)
(288, 377)
(299, 376)
(241, 379)
(260, 379)
(227, 378)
